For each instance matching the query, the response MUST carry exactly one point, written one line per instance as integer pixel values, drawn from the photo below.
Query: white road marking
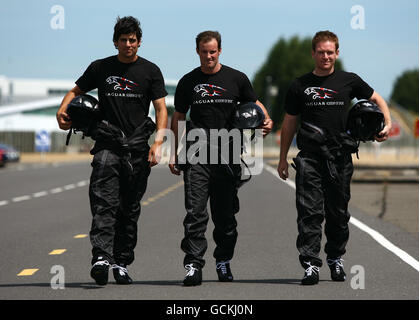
(21, 198)
(69, 186)
(56, 190)
(82, 183)
(362, 226)
(40, 194)
(44, 193)
(386, 244)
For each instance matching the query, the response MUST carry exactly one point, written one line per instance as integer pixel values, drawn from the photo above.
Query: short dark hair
(324, 36)
(206, 36)
(127, 25)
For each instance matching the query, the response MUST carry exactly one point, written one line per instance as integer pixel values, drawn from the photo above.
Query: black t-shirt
(325, 101)
(125, 89)
(212, 97)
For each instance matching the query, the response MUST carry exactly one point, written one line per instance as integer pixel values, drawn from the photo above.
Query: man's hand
(63, 120)
(174, 169)
(267, 126)
(154, 155)
(62, 117)
(382, 104)
(176, 117)
(289, 126)
(383, 135)
(173, 166)
(267, 123)
(283, 169)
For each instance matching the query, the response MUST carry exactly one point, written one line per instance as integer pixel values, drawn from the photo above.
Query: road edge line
(403, 255)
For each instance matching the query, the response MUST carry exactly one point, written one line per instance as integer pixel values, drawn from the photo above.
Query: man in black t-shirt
(126, 84)
(322, 98)
(211, 92)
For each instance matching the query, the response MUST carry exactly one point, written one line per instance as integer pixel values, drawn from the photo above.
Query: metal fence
(24, 141)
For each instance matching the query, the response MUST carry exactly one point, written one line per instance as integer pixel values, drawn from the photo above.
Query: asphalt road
(45, 253)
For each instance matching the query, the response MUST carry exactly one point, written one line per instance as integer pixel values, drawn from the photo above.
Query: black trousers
(216, 183)
(319, 199)
(115, 191)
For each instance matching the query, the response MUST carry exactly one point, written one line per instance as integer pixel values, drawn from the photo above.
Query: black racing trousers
(319, 199)
(115, 191)
(216, 183)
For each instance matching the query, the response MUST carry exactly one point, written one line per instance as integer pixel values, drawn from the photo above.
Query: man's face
(127, 45)
(208, 54)
(325, 55)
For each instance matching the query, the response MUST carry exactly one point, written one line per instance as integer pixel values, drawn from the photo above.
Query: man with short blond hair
(322, 99)
(324, 36)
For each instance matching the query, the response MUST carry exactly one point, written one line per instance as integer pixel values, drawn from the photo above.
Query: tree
(406, 90)
(287, 60)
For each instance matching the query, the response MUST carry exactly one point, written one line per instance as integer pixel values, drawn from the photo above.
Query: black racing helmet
(365, 120)
(83, 112)
(248, 116)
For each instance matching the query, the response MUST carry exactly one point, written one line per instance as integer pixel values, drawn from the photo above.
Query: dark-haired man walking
(122, 160)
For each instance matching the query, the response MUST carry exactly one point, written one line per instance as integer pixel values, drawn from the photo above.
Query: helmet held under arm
(248, 116)
(84, 114)
(365, 120)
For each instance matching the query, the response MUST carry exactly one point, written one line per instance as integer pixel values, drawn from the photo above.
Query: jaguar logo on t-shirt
(121, 83)
(320, 93)
(209, 90)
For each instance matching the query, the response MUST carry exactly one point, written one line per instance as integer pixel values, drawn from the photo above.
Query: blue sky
(30, 48)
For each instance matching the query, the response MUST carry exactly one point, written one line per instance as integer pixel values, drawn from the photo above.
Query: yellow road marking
(80, 236)
(161, 194)
(57, 251)
(27, 272)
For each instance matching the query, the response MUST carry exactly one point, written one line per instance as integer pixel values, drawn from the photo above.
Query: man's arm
(62, 117)
(267, 123)
(161, 124)
(177, 116)
(289, 126)
(378, 100)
